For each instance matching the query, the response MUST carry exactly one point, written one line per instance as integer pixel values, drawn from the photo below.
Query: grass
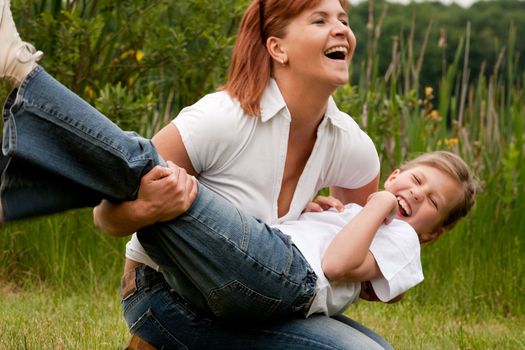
(412, 325)
(47, 319)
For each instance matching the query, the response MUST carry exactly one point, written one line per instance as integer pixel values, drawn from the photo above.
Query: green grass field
(44, 319)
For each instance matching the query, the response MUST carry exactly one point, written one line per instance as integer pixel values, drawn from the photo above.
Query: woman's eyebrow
(326, 14)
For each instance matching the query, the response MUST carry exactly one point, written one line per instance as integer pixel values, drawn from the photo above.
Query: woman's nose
(340, 29)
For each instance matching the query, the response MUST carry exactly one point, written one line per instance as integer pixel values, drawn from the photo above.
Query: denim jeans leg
(364, 330)
(29, 187)
(167, 321)
(48, 126)
(243, 270)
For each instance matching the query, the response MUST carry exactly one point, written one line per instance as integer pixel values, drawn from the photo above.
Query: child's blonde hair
(454, 166)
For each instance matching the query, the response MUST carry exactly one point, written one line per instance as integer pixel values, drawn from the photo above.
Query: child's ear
(431, 236)
(392, 175)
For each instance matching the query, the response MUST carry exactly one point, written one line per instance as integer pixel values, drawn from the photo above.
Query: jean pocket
(149, 328)
(235, 302)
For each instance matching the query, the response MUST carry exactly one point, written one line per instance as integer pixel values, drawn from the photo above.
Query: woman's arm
(357, 195)
(163, 195)
(348, 256)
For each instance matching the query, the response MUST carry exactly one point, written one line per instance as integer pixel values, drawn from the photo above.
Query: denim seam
(149, 315)
(238, 286)
(233, 245)
(245, 236)
(81, 130)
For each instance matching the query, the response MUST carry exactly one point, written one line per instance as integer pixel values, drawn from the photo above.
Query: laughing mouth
(404, 208)
(336, 53)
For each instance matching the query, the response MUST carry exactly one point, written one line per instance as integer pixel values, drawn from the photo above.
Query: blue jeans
(60, 153)
(53, 147)
(160, 316)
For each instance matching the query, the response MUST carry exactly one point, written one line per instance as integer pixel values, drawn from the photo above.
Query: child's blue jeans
(228, 264)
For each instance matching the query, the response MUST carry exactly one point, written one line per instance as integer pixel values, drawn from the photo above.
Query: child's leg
(49, 129)
(220, 259)
(33, 189)
(230, 264)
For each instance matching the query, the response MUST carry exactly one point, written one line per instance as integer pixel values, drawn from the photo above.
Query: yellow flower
(89, 91)
(139, 55)
(434, 115)
(428, 91)
(452, 142)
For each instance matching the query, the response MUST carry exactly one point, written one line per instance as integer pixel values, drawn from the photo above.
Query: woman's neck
(306, 102)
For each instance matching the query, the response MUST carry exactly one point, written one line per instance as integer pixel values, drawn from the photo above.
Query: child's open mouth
(404, 208)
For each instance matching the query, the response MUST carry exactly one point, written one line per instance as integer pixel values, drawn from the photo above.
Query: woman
(289, 134)
(267, 143)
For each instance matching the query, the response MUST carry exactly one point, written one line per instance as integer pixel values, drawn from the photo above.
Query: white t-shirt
(395, 248)
(242, 158)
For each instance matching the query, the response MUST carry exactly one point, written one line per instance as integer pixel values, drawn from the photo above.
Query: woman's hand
(322, 203)
(167, 192)
(164, 194)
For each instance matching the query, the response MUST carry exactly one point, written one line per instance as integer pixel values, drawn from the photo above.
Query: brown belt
(128, 284)
(130, 265)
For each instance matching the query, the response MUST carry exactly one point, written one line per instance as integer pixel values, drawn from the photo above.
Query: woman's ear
(276, 50)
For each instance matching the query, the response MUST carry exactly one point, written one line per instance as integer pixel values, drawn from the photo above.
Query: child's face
(425, 195)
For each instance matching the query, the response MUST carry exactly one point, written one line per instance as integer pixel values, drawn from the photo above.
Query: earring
(283, 61)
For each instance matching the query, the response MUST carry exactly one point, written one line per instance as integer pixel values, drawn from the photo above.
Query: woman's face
(319, 44)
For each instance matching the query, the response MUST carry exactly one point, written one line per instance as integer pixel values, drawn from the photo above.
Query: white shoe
(17, 58)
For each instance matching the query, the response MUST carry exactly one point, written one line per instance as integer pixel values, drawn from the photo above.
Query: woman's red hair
(251, 64)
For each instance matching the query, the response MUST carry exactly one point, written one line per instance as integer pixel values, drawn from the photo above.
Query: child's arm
(348, 256)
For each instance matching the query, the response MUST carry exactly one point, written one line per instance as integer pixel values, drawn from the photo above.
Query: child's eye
(416, 179)
(433, 202)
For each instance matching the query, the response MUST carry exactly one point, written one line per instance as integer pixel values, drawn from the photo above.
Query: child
(60, 154)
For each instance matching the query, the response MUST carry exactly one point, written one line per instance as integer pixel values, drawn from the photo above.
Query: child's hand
(388, 200)
(322, 203)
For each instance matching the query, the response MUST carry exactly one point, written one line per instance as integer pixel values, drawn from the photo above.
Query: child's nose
(416, 194)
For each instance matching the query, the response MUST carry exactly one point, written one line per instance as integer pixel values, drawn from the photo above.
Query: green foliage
(163, 55)
(490, 21)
